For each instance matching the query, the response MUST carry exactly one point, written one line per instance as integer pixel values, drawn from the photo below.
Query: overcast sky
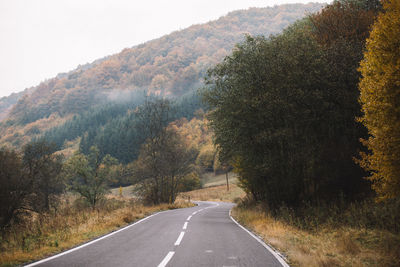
(40, 38)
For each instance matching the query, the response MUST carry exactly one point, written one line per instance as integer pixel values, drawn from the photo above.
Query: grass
(127, 191)
(333, 236)
(215, 193)
(71, 226)
(326, 246)
(209, 179)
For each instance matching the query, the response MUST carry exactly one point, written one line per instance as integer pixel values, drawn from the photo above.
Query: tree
(380, 99)
(43, 169)
(284, 117)
(164, 159)
(164, 168)
(89, 175)
(14, 186)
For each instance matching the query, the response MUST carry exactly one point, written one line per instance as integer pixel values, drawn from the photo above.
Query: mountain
(172, 65)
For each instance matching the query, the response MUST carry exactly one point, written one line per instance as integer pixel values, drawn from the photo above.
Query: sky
(41, 38)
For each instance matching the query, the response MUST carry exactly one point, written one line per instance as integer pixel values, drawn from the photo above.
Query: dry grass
(216, 193)
(71, 226)
(209, 179)
(344, 246)
(127, 191)
(326, 246)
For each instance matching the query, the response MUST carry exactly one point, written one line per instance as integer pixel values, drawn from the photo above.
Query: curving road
(204, 235)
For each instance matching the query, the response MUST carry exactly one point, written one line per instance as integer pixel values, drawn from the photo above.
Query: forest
(290, 114)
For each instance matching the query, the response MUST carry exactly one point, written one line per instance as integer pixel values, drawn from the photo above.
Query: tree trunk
(227, 181)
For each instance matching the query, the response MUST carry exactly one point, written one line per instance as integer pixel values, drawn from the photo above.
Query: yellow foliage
(380, 99)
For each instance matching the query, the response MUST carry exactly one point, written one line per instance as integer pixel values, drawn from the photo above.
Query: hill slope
(171, 65)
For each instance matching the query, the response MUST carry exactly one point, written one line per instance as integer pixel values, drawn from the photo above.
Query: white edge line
(185, 226)
(90, 242)
(166, 259)
(273, 252)
(178, 241)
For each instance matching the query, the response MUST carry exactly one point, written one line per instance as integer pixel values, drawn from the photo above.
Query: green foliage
(122, 136)
(89, 175)
(283, 109)
(380, 98)
(93, 119)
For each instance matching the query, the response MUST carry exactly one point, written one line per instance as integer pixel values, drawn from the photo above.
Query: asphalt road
(199, 236)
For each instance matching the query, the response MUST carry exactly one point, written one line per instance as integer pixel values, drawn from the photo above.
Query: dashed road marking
(188, 218)
(178, 241)
(185, 226)
(166, 259)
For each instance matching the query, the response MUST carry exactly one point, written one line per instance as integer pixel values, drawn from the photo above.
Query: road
(204, 235)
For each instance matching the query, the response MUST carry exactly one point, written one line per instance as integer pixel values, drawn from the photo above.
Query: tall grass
(358, 234)
(361, 214)
(42, 235)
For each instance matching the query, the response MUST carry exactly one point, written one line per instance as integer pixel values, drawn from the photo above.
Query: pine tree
(380, 99)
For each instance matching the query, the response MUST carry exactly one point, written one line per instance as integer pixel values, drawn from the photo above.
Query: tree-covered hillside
(171, 65)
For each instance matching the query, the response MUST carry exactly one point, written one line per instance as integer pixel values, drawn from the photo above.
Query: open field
(71, 226)
(209, 179)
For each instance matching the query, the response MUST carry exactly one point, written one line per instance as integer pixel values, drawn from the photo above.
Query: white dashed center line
(166, 259)
(178, 241)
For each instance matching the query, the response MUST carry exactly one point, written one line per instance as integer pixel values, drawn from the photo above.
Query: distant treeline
(113, 127)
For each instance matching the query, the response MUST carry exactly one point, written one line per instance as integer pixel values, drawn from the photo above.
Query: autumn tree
(43, 170)
(89, 175)
(380, 99)
(164, 161)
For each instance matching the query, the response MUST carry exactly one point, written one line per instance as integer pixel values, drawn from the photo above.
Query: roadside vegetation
(50, 203)
(330, 236)
(309, 121)
(74, 222)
